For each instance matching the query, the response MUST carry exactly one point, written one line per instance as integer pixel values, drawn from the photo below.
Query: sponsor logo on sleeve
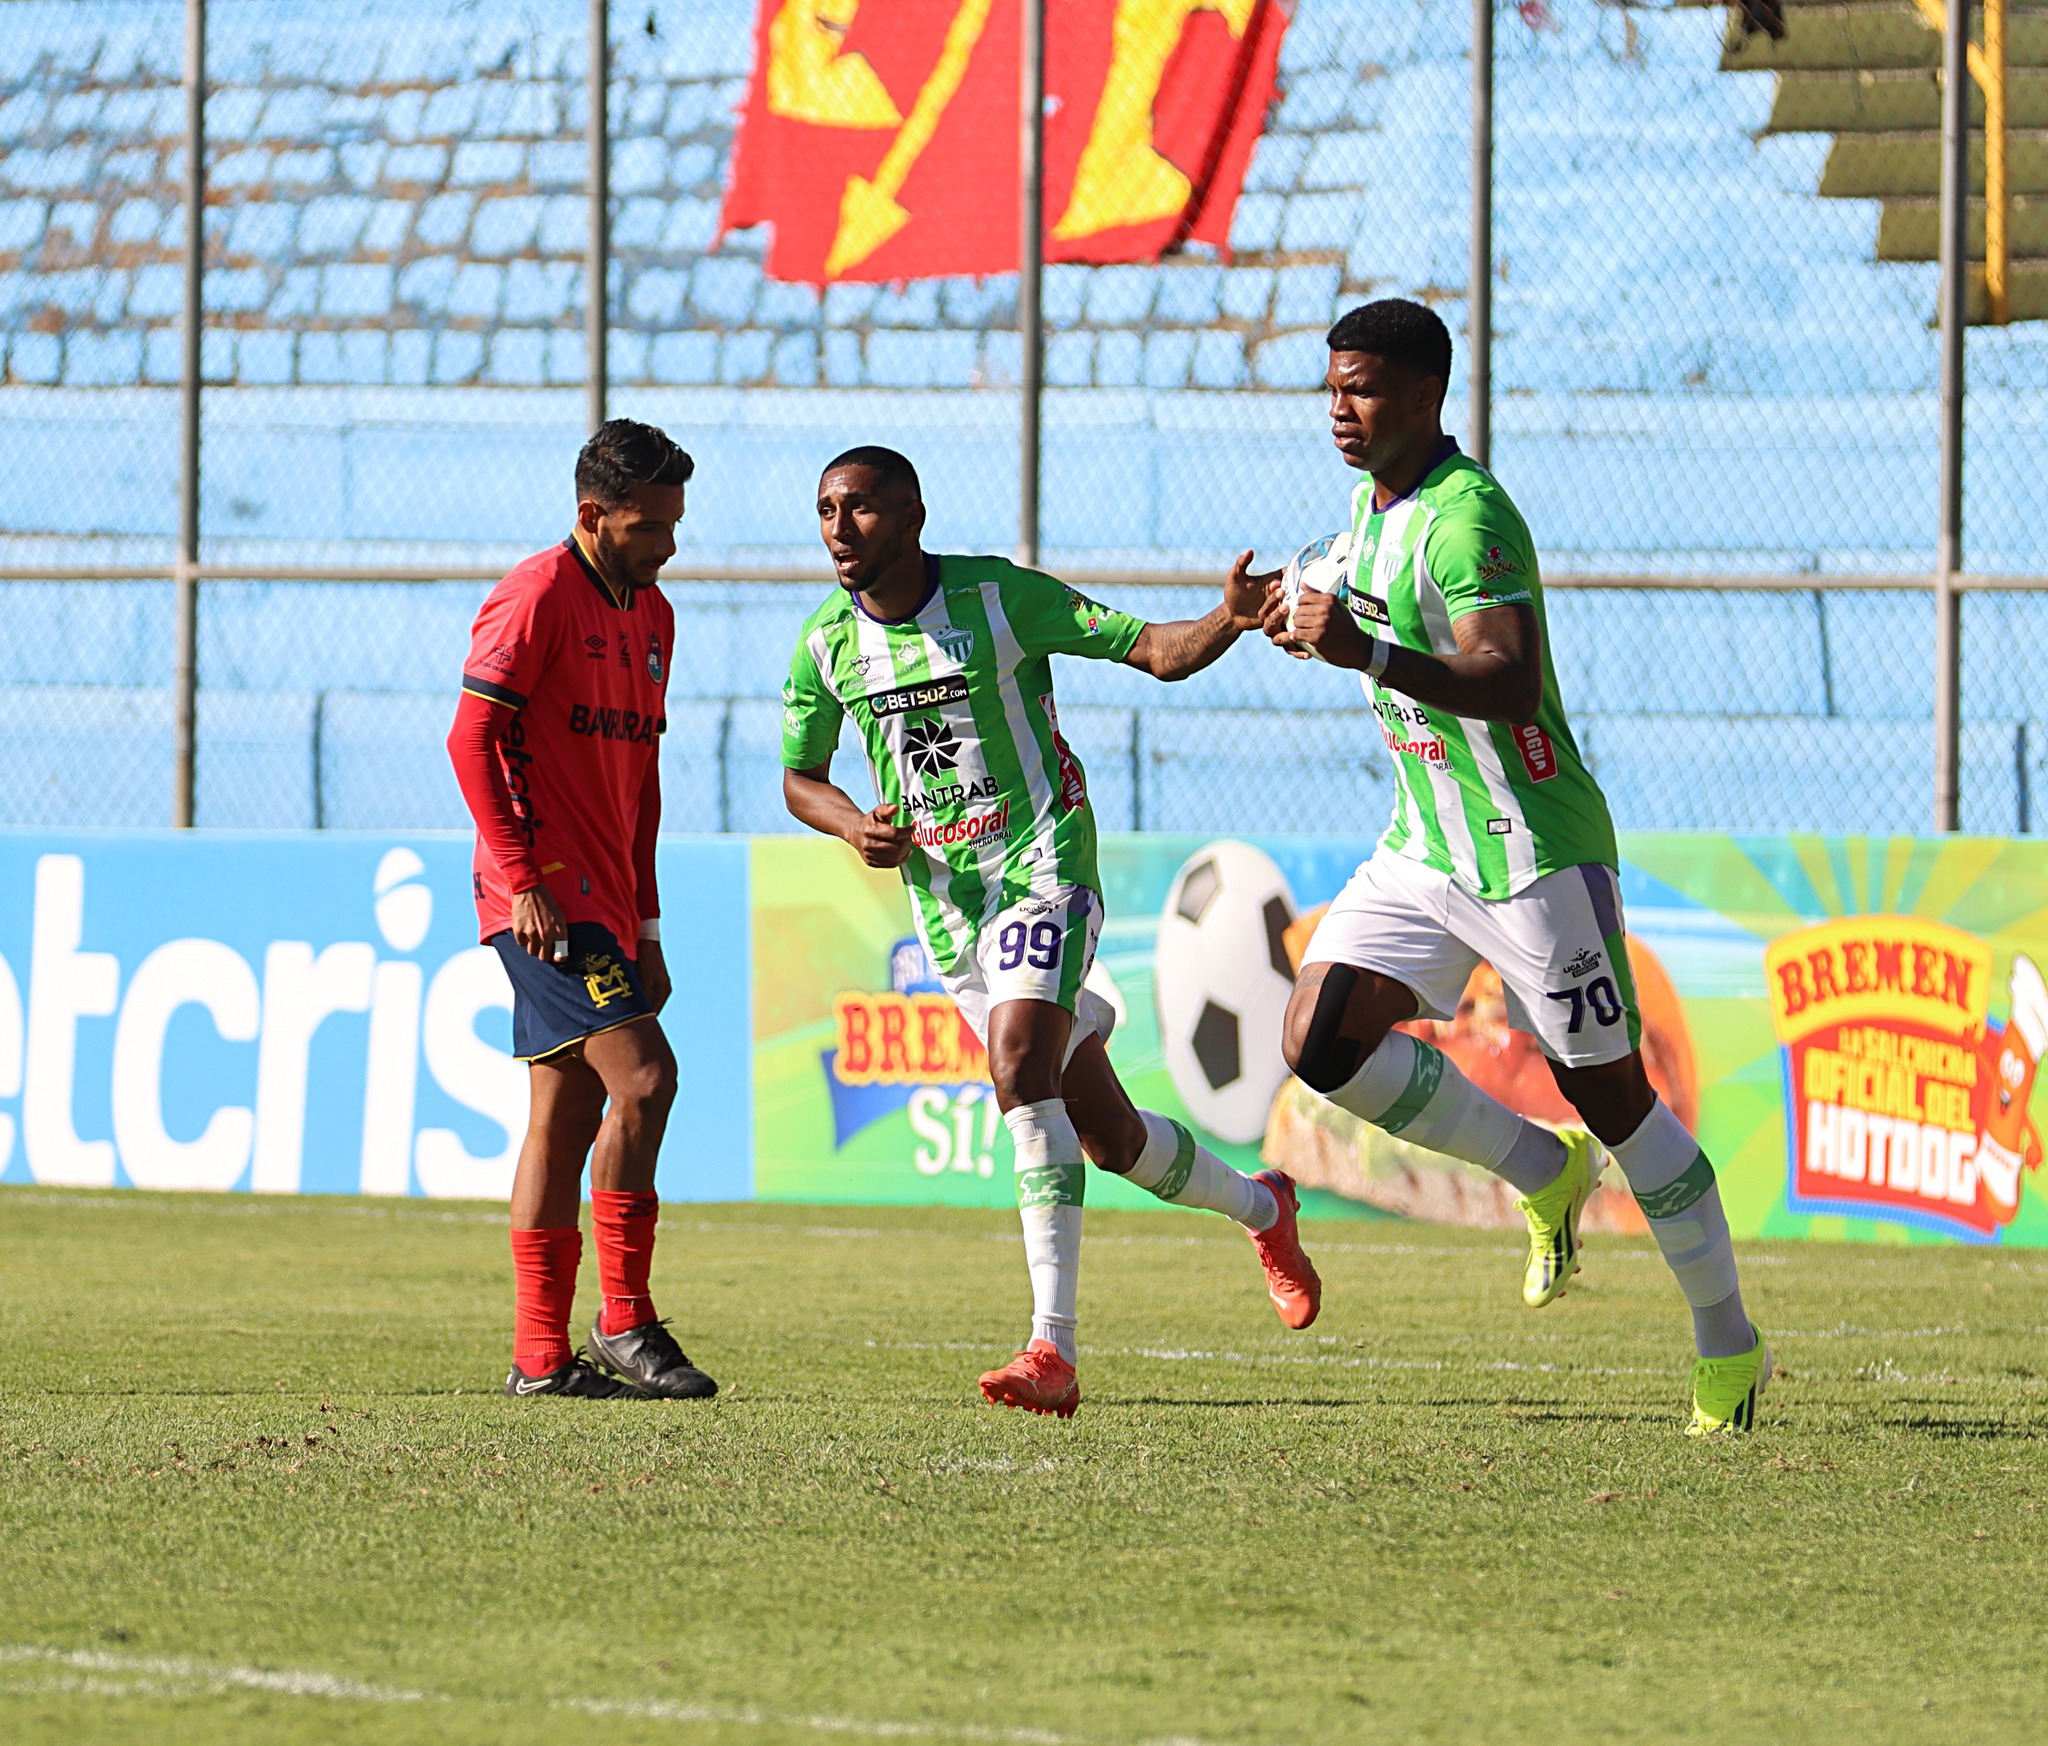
(1539, 756)
(503, 657)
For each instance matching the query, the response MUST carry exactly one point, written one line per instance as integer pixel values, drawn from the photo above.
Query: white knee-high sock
(1673, 1183)
(1408, 1087)
(1051, 1176)
(1176, 1168)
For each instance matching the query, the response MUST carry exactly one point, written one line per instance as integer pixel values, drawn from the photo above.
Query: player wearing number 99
(1500, 848)
(944, 665)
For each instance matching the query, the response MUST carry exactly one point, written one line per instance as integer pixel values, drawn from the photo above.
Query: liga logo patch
(1906, 1099)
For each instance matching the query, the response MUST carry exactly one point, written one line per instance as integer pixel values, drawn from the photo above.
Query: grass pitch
(258, 1486)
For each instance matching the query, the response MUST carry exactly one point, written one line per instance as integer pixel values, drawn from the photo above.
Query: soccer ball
(1221, 980)
(1325, 566)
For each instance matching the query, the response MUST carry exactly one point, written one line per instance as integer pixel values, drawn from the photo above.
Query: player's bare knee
(1316, 1045)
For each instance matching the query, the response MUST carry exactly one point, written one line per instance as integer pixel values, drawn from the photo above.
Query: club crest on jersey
(957, 641)
(654, 659)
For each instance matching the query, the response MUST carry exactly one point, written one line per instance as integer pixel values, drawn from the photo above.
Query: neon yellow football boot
(1725, 1390)
(1552, 1213)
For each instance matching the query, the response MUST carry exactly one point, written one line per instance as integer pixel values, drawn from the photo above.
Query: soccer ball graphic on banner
(1222, 979)
(1325, 566)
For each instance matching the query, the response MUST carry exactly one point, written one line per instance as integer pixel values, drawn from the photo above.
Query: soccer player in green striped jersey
(1500, 849)
(944, 666)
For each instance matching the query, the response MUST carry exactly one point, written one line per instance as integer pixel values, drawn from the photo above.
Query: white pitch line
(210, 1676)
(96, 1673)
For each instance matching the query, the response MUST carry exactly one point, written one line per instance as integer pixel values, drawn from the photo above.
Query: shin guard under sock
(544, 1267)
(1673, 1183)
(1177, 1168)
(1410, 1088)
(1051, 1175)
(623, 1223)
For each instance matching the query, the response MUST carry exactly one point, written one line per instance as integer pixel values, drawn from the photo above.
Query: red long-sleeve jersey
(557, 743)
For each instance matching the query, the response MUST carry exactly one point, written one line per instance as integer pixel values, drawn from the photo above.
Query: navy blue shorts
(555, 1006)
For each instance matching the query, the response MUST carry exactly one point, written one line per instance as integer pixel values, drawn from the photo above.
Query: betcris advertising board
(313, 1014)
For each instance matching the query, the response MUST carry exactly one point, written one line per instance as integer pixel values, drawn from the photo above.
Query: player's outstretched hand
(879, 840)
(1247, 596)
(653, 968)
(538, 922)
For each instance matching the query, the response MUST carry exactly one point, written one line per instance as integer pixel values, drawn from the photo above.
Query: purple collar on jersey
(1443, 454)
(931, 587)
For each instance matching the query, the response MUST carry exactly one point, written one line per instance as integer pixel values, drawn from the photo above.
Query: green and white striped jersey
(955, 712)
(1494, 805)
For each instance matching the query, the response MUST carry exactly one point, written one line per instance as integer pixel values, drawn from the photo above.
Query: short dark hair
(895, 469)
(1409, 334)
(623, 453)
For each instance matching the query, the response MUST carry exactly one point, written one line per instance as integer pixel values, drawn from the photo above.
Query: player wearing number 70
(1500, 848)
(944, 665)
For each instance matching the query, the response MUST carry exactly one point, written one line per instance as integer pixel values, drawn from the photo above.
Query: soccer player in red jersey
(556, 745)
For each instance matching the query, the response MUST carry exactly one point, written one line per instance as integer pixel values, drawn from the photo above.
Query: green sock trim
(1053, 1184)
(1423, 1079)
(1674, 1197)
(1168, 1187)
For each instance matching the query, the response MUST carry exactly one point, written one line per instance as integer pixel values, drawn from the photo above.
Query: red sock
(624, 1226)
(544, 1267)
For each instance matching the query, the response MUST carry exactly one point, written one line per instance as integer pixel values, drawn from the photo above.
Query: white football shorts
(1040, 948)
(1558, 948)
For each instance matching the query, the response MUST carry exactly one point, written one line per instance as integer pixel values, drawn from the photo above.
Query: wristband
(650, 929)
(1376, 657)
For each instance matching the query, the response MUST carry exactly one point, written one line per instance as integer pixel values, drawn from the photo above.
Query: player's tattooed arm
(813, 798)
(1175, 650)
(1496, 675)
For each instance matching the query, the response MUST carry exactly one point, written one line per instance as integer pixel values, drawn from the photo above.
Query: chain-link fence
(1713, 360)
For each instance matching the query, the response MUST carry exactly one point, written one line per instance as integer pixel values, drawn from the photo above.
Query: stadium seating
(1704, 365)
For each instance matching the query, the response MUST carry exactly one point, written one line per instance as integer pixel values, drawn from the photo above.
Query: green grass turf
(250, 1445)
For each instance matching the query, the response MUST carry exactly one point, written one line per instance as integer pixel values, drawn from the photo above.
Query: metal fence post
(1955, 198)
(185, 656)
(1479, 296)
(1030, 271)
(597, 251)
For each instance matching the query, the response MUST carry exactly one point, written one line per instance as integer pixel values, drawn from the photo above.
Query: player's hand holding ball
(878, 839)
(1301, 614)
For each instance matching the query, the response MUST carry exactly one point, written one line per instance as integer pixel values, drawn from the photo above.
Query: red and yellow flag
(880, 136)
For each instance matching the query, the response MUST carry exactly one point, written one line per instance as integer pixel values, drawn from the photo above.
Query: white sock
(1178, 1169)
(1051, 1175)
(1410, 1088)
(1673, 1183)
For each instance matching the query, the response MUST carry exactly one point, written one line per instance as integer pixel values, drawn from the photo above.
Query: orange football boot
(1291, 1278)
(1038, 1379)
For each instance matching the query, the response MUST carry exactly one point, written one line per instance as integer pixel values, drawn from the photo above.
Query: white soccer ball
(1222, 981)
(1325, 566)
